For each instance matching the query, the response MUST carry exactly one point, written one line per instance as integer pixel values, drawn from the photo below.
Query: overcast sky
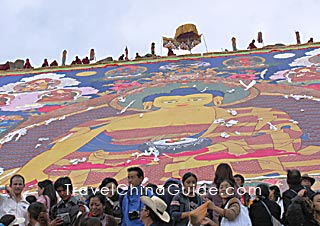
(39, 29)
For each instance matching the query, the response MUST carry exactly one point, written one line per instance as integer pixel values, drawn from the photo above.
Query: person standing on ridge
(64, 57)
(127, 53)
(153, 47)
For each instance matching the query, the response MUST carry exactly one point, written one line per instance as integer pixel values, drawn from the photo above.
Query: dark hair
(37, 211)
(7, 219)
(62, 182)
(154, 187)
(232, 184)
(17, 175)
(239, 176)
(90, 191)
(100, 196)
(108, 180)
(136, 169)
(223, 171)
(277, 194)
(314, 195)
(31, 199)
(152, 215)
(294, 177)
(49, 191)
(187, 175)
(263, 192)
(91, 221)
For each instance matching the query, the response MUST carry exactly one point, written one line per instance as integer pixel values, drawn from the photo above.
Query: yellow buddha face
(191, 100)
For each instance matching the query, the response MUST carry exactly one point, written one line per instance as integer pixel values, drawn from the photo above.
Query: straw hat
(158, 206)
(306, 177)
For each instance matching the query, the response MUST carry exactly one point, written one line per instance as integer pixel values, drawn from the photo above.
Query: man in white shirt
(14, 203)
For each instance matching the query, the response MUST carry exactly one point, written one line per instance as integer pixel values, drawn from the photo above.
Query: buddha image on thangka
(173, 128)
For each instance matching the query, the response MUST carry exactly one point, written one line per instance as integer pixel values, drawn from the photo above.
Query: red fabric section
(314, 86)
(263, 139)
(188, 153)
(49, 108)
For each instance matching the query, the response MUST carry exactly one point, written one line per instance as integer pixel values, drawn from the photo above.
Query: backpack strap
(274, 221)
(266, 207)
(232, 201)
(121, 197)
(294, 191)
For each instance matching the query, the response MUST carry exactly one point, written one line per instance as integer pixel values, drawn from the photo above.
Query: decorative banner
(186, 38)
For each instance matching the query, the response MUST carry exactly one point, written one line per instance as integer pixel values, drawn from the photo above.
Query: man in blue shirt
(131, 204)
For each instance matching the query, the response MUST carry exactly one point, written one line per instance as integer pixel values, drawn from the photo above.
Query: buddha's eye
(195, 99)
(169, 101)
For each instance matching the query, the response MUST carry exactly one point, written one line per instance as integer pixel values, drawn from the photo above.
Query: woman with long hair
(109, 188)
(185, 201)
(223, 171)
(275, 195)
(47, 194)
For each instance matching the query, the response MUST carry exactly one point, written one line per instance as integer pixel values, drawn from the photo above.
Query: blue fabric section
(305, 136)
(103, 142)
(131, 202)
(272, 174)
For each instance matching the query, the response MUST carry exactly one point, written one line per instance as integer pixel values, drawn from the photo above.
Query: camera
(133, 215)
(65, 217)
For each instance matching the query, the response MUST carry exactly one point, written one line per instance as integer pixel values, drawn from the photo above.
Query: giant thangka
(257, 111)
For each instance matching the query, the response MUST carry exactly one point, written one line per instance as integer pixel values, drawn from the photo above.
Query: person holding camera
(131, 204)
(68, 208)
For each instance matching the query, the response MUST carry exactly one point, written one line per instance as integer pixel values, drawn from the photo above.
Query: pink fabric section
(256, 154)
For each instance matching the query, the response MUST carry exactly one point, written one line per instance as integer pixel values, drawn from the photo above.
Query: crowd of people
(54, 63)
(179, 202)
